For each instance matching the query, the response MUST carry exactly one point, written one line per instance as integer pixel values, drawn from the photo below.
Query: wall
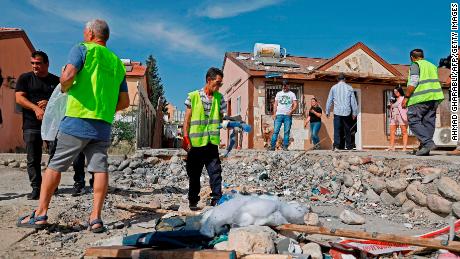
(132, 88)
(372, 116)
(230, 90)
(14, 60)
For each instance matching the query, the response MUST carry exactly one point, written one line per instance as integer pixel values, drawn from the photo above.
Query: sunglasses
(36, 63)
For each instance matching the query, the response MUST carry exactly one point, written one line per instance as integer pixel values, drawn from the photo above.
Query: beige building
(251, 82)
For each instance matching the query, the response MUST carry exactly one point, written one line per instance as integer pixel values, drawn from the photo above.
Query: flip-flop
(98, 229)
(32, 223)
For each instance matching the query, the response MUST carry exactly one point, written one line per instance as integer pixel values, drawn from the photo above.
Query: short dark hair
(400, 90)
(341, 77)
(314, 98)
(285, 82)
(39, 53)
(213, 72)
(417, 53)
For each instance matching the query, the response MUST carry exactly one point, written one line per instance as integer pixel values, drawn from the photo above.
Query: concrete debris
(449, 189)
(351, 218)
(311, 219)
(387, 199)
(378, 184)
(372, 196)
(252, 239)
(438, 204)
(396, 186)
(415, 195)
(456, 209)
(312, 249)
(288, 246)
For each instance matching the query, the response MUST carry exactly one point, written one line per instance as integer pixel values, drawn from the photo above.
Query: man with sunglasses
(33, 90)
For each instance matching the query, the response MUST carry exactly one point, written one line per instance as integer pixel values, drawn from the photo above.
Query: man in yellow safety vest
(423, 95)
(205, 110)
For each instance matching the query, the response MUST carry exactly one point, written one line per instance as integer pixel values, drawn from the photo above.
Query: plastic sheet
(54, 113)
(251, 210)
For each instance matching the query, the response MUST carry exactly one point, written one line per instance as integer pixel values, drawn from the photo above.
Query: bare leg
(405, 136)
(392, 137)
(50, 182)
(101, 183)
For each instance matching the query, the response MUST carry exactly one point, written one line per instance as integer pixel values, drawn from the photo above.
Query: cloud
(169, 35)
(218, 10)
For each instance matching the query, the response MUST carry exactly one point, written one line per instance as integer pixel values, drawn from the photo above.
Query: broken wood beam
(136, 252)
(390, 238)
(154, 210)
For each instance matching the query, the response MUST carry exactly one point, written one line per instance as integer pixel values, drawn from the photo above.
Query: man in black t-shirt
(33, 90)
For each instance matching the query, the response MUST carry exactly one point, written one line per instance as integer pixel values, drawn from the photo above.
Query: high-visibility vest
(95, 90)
(428, 88)
(204, 129)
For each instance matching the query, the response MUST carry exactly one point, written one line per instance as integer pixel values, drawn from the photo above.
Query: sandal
(390, 149)
(99, 229)
(32, 223)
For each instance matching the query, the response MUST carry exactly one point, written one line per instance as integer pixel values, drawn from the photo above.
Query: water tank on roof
(268, 50)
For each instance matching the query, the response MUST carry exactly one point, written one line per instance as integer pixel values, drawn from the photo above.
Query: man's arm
(354, 105)
(22, 100)
(123, 101)
(414, 76)
(187, 117)
(68, 75)
(275, 105)
(294, 107)
(330, 97)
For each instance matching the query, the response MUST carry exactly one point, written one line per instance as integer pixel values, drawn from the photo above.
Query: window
(238, 105)
(387, 96)
(272, 88)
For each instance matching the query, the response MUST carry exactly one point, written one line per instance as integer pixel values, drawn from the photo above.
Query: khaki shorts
(68, 147)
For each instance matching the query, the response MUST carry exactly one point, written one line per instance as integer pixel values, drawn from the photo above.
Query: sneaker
(335, 149)
(270, 148)
(212, 202)
(425, 151)
(77, 191)
(285, 149)
(34, 195)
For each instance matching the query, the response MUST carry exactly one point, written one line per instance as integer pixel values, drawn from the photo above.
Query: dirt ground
(69, 239)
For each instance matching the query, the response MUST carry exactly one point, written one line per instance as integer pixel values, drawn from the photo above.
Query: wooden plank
(417, 241)
(150, 209)
(265, 256)
(110, 251)
(183, 254)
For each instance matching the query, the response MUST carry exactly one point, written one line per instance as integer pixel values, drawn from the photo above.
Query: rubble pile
(419, 193)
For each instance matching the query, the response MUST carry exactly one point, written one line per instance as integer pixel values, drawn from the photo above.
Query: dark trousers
(422, 121)
(198, 157)
(342, 124)
(34, 143)
(78, 166)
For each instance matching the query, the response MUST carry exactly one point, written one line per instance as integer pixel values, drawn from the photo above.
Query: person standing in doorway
(205, 109)
(343, 98)
(313, 116)
(398, 118)
(33, 90)
(285, 105)
(423, 95)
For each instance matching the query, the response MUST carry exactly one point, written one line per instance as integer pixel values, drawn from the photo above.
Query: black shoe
(285, 149)
(193, 206)
(213, 202)
(425, 151)
(34, 195)
(77, 191)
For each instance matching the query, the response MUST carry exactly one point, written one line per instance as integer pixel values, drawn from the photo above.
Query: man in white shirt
(284, 107)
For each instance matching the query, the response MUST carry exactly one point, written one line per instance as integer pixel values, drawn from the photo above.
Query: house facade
(16, 49)
(250, 85)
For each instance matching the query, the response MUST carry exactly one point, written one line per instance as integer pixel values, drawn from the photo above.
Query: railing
(146, 120)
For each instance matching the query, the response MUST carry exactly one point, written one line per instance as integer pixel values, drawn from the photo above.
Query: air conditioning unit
(442, 138)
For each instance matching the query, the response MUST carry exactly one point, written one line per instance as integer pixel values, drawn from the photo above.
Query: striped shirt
(207, 102)
(343, 98)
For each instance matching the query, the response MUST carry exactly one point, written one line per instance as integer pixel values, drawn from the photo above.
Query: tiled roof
(138, 70)
(314, 68)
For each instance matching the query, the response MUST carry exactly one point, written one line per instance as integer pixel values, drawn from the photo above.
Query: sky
(187, 37)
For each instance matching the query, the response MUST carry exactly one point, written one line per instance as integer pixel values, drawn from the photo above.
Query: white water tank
(268, 50)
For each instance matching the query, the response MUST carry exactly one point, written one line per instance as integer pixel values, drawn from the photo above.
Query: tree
(155, 84)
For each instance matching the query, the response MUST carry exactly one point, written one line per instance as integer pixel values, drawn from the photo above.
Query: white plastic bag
(54, 113)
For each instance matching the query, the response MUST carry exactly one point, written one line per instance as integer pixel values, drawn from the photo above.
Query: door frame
(358, 135)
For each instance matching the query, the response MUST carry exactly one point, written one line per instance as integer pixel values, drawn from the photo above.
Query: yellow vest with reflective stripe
(428, 88)
(204, 129)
